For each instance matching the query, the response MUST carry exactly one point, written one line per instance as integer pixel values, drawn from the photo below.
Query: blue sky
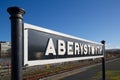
(93, 20)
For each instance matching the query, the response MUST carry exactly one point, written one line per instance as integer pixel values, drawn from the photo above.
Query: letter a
(50, 48)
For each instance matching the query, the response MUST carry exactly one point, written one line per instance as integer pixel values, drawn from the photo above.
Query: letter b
(61, 47)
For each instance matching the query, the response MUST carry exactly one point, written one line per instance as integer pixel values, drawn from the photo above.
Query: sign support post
(16, 17)
(103, 62)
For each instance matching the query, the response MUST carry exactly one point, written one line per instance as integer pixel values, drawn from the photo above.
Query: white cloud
(112, 46)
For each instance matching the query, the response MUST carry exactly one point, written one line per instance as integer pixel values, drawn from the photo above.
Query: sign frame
(51, 61)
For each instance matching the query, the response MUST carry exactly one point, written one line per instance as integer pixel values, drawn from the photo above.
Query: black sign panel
(50, 45)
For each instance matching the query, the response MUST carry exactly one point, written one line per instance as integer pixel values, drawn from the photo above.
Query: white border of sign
(43, 62)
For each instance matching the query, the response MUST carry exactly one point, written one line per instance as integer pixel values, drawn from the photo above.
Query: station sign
(45, 46)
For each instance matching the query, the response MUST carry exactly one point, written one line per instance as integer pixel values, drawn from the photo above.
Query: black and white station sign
(44, 46)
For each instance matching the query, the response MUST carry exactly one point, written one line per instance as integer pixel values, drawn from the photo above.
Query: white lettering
(81, 48)
(50, 48)
(93, 50)
(100, 50)
(76, 48)
(61, 47)
(89, 49)
(85, 49)
(70, 48)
